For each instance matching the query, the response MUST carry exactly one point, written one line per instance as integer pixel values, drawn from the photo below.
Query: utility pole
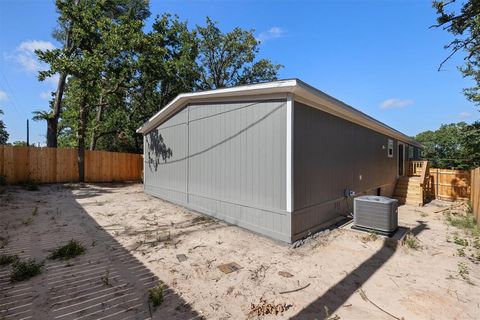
(28, 134)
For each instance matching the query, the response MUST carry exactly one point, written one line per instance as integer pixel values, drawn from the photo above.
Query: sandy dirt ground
(133, 240)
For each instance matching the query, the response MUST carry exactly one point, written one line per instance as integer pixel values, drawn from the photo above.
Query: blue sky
(378, 56)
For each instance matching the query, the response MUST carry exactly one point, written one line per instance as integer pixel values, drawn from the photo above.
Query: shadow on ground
(107, 282)
(337, 295)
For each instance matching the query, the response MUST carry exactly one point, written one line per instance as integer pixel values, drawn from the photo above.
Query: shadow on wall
(157, 150)
(337, 295)
(105, 282)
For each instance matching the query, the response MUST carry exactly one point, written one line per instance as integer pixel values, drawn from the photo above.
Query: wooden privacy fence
(50, 165)
(447, 184)
(475, 193)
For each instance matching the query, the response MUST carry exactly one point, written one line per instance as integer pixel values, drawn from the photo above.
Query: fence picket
(47, 165)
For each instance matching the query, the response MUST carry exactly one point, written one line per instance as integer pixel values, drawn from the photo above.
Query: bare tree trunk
(82, 128)
(98, 118)
(52, 123)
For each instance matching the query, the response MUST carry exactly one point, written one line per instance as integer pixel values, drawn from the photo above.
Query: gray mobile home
(278, 158)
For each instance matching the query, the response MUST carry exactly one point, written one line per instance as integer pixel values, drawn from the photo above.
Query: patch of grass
(469, 206)
(106, 278)
(461, 252)
(7, 259)
(466, 222)
(201, 219)
(411, 241)
(476, 243)
(72, 249)
(35, 211)
(476, 256)
(371, 236)
(463, 271)
(3, 241)
(155, 295)
(31, 186)
(460, 241)
(24, 270)
(27, 221)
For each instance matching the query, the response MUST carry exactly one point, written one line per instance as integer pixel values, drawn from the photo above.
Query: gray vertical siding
(330, 155)
(166, 162)
(227, 160)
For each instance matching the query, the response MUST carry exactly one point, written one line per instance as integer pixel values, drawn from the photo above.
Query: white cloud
(395, 103)
(46, 95)
(464, 115)
(35, 45)
(272, 33)
(3, 96)
(26, 57)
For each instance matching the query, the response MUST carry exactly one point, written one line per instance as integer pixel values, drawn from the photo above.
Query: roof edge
(302, 92)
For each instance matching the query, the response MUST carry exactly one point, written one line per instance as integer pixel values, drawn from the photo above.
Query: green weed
(155, 295)
(411, 241)
(27, 221)
(7, 259)
(72, 249)
(466, 222)
(463, 271)
(31, 185)
(106, 278)
(460, 241)
(24, 270)
(371, 236)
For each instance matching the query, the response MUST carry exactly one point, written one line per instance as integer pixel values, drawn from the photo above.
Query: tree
(64, 35)
(20, 144)
(118, 76)
(73, 31)
(3, 131)
(455, 145)
(228, 59)
(103, 32)
(465, 26)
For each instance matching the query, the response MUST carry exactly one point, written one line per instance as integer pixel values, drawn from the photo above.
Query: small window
(390, 148)
(410, 152)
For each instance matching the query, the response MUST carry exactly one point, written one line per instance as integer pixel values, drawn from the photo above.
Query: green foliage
(228, 59)
(31, 185)
(155, 295)
(120, 75)
(460, 241)
(24, 270)
(455, 145)
(7, 259)
(464, 25)
(19, 143)
(411, 241)
(72, 249)
(466, 222)
(3, 131)
(463, 271)
(28, 221)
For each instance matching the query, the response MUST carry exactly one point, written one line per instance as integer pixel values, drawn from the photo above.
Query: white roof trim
(302, 92)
